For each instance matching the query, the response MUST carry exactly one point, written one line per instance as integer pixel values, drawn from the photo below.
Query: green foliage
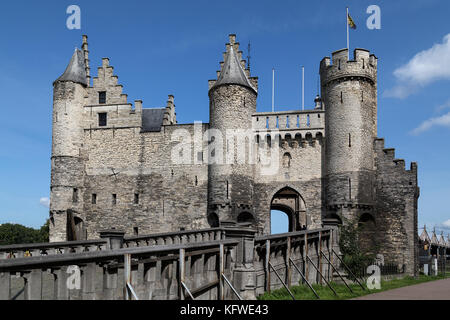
(354, 257)
(18, 234)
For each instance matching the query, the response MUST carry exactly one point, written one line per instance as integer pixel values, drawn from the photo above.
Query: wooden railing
(150, 272)
(288, 259)
(54, 248)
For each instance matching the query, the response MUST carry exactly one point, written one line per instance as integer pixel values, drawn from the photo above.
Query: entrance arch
(290, 202)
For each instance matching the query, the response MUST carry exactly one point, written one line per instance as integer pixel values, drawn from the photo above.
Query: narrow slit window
(114, 199)
(349, 140)
(75, 195)
(278, 123)
(342, 98)
(136, 231)
(136, 198)
(298, 121)
(102, 97)
(267, 122)
(228, 189)
(94, 198)
(102, 119)
(308, 120)
(287, 122)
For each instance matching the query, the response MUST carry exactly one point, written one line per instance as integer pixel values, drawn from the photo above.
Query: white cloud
(446, 224)
(45, 202)
(423, 69)
(443, 121)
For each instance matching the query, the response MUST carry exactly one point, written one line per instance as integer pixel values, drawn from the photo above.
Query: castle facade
(119, 165)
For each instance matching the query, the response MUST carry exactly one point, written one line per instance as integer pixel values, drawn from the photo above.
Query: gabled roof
(434, 239)
(424, 236)
(152, 119)
(76, 70)
(232, 72)
(442, 241)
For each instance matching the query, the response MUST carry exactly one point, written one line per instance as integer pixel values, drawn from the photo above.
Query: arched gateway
(290, 202)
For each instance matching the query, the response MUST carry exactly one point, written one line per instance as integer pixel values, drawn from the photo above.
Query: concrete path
(433, 290)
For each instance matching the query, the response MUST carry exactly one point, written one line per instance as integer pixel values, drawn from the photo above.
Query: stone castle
(113, 163)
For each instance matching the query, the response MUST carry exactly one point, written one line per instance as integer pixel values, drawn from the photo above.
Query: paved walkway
(433, 290)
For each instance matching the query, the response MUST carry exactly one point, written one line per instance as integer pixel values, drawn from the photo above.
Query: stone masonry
(119, 165)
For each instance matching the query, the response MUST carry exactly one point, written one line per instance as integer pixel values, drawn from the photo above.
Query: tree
(19, 234)
(354, 257)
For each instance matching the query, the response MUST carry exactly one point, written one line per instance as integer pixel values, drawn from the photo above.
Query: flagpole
(348, 35)
(303, 88)
(273, 89)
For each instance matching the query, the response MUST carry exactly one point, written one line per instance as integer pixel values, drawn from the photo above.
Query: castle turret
(232, 103)
(349, 93)
(69, 92)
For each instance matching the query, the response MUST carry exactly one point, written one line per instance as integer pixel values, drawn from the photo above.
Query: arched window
(287, 160)
(245, 217)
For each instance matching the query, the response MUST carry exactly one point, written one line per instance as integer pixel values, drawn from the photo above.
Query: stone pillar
(244, 275)
(114, 238)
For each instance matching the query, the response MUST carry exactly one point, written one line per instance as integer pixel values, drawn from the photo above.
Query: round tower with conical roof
(232, 104)
(349, 93)
(69, 92)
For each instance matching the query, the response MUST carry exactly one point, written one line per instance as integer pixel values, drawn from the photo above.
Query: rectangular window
(94, 198)
(75, 195)
(102, 97)
(114, 199)
(136, 231)
(136, 198)
(102, 119)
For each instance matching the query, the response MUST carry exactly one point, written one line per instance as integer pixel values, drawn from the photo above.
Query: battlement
(363, 65)
(386, 156)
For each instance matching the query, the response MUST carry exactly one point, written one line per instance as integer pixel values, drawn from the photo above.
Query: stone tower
(69, 92)
(349, 92)
(232, 104)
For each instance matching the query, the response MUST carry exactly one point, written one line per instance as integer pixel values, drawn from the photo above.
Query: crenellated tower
(349, 92)
(69, 93)
(232, 103)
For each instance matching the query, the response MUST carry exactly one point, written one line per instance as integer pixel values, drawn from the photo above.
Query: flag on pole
(350, 21)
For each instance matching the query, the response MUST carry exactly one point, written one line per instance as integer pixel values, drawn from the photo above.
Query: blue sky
(174, 47)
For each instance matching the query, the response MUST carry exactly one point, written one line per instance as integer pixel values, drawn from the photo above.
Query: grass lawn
(302, 292)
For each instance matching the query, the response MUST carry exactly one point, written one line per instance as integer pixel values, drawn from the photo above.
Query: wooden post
(33, 285)
(5, 285)
(60, 285)
(267, 265)
(221, 271)
(127, 275)
(288, 262)
(181, 275)
(305, 252)
(330, 253)
(320, 255)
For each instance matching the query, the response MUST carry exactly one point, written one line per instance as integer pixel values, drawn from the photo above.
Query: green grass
(302, 292)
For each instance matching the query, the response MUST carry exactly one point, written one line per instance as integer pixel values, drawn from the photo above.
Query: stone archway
(290, 202)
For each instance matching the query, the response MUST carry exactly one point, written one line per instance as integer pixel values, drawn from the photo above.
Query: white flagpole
(348, 35)
(273, 89)
(303, 88)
